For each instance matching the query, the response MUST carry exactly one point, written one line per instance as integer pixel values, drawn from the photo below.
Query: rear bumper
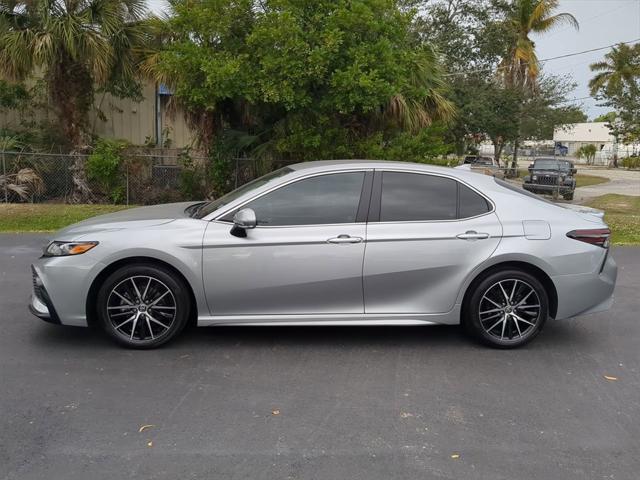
(586, 293)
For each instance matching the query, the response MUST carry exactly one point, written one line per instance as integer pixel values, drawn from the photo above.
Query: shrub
(104, 166)
(192, 178)
(631, 162)
(587, 152)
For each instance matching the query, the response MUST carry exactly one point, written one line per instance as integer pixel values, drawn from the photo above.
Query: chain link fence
(139, 179)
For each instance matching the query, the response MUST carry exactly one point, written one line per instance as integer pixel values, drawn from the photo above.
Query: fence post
(127, 180)
(236, 174)
(4, 173)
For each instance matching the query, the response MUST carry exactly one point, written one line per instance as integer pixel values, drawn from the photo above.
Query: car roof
(328, 165)
(301, 169)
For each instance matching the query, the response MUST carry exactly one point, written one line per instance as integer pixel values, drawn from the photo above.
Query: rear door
(425, 234)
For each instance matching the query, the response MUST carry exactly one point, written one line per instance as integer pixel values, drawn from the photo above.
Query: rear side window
(409, 197)
(470, 203)
(413, 197)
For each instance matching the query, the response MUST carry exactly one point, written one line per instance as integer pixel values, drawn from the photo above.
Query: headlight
(62, 249)
(534, 178)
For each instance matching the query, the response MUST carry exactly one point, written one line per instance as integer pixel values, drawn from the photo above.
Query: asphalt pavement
(318, 403)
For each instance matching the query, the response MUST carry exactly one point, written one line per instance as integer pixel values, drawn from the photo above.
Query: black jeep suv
(551, 176)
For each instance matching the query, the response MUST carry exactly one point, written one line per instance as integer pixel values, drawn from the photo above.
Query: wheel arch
(530, 268)
(92, 294)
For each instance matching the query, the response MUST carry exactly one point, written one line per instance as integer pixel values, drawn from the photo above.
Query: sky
(602, 23)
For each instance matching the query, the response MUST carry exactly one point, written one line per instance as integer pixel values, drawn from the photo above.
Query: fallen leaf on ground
(406, 414)
(275, 412)
(455, 456)
(150, 444)
(144, 427)
(609, 377)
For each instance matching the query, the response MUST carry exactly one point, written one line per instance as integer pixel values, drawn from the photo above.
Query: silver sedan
(333, 243)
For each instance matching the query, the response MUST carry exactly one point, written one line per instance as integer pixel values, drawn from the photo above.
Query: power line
(570, 100)
(544, 60)
(588, 51)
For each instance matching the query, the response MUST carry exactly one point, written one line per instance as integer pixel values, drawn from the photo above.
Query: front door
(304, 257)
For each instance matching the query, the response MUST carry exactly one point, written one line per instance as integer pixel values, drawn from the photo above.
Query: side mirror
(243, 220)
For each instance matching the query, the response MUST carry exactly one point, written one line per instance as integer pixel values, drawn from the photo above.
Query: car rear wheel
(507, 309)
(143, 306)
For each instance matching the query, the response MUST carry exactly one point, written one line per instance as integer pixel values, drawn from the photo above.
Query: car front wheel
(143, 306)
(507, 309)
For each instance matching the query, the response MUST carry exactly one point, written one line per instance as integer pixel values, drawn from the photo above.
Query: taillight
(595, 236)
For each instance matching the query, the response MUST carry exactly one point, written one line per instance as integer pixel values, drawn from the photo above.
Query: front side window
(324, 199)
(214, 205)
(415, 197)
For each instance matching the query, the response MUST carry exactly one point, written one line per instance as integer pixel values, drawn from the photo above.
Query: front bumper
(40, 302)
(586, 293)
(536, 188)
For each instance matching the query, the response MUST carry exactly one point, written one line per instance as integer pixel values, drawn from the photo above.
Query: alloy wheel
(509, 309)
(141, 308)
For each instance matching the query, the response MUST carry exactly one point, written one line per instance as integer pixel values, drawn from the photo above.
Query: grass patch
(588, 180)
(45, 217)
(622, 213)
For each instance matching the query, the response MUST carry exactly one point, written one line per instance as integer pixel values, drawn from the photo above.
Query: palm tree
(415, 112)
(520, 67)
(619, 69)
(618, 77)
(76, 47)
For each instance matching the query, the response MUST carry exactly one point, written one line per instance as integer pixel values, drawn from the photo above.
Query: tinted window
(323, 199)
(470, 203)
(411, 196)
(212, 206)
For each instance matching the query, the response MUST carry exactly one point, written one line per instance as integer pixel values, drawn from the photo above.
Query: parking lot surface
(318, 403)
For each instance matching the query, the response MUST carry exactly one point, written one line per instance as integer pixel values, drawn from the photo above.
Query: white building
(575, 135)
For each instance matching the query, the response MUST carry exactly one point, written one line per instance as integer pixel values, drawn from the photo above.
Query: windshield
(212, 206)
(552, 164)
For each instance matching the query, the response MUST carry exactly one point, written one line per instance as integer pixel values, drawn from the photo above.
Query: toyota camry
(333, 243)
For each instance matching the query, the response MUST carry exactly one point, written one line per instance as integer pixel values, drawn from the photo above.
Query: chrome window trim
(218, 217)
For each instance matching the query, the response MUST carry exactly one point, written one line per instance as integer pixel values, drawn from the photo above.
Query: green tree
(77, 46)
(606, 117)
(617, 84)
(547, 108)
(472, 36)
(305, 80)
(520, 67)
(619, 70)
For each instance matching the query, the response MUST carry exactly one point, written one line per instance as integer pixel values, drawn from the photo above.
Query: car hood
(140, 217)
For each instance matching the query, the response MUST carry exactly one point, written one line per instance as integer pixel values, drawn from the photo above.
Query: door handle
(344, 239)
(472, 235)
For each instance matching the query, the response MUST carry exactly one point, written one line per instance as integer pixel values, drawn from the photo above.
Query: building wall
(126, 119)
(589, 132)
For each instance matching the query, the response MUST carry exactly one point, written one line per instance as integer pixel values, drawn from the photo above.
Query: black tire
(568, 196)
(160, 316)
(492, 292)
